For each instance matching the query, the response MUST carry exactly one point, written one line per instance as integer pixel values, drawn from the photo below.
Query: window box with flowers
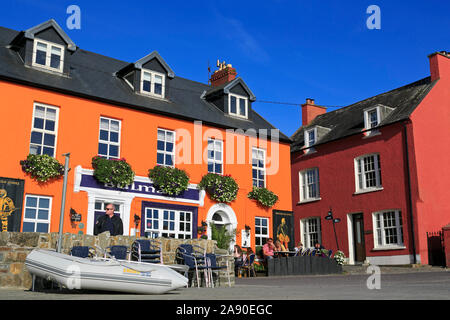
(264, 196)
(116, 172)
(171, 181)
(42, 167)
(221, 188)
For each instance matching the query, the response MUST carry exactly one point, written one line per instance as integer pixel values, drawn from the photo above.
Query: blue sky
(285, 50)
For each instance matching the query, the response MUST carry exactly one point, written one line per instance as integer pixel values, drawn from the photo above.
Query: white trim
(107, 142)
(393, 260)
(43, 130)
(231, 215)
(48, 56)
(306, 137)
(152, 83)
(213, 160)
(237, 114)
(164, 152)
(176, 232)
(36, 220)
(377, 170)
(303, 182)
(303, 234)
(257, 168)
(398, 228)
(368, 190)
(351, 247)
(367, 120)
(262, 235)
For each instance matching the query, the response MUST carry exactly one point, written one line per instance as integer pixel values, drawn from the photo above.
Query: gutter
(413, 236)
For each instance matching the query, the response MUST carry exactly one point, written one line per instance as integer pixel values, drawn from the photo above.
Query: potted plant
(116, 172)
(42, 167)
(264, 196)
(169, 180)
(339, 256)
(219, 188)
(222, 236)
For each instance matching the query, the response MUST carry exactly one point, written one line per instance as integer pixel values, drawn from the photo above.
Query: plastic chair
(249, 265)
(82, 251)
(146, 251)
(118, 252)
(191, 262)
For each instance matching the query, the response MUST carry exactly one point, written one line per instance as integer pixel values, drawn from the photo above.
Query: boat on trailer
(104, 274)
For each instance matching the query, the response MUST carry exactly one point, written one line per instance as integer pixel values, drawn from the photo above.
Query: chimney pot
(225, 74)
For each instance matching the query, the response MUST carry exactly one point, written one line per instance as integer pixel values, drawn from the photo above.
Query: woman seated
(299, 249)
(280, 248)
(238, 259)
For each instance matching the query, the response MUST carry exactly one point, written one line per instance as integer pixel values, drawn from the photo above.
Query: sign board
(11, 203)
(283, 228)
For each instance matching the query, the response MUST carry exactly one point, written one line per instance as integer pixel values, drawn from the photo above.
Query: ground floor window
(311, 232)
(168, 223)
(389, 228)
(37, 214)
(261, 231)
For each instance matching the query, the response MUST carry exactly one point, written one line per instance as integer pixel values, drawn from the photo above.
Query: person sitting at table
(238, 259)
(318, 248)
(299, 249)
(268, 249)
(279, 249)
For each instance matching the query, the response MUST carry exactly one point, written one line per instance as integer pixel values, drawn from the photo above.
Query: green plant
(264, 196)
(42, 167)
(339, 256)
(222, 236)
(116, 172)
(169, 180)
(219, 188)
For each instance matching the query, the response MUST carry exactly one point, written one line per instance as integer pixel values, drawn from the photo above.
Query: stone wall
(15, 246)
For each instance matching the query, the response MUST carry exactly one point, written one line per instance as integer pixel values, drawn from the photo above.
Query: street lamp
(335, 220)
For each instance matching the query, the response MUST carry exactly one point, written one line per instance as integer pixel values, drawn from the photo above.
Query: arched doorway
(222, 216)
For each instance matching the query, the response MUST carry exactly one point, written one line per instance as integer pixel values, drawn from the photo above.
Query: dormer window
(48, 55)
(371, 118)
(238, 105)
(152, 83)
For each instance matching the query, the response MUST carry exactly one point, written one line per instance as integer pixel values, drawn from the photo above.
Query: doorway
(358, 238)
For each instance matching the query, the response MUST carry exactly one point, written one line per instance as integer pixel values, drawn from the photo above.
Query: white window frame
(379, 233)
(37, 220)
(213, 160)
(362, 175)
(107, 142)
(48, 55)
(177, 232)
(237, 113)
(367, 123)
(261, 235)
(258, 151)
(305, 230)
(44, 131)
(308, 145)
(304, 185)
(164, 152)
(153, 74)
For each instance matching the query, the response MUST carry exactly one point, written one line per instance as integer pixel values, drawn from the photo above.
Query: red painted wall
(335, 161)
(431, 123)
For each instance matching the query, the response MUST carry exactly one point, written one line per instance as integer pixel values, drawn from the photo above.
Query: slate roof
(92, 76)
(350, 120)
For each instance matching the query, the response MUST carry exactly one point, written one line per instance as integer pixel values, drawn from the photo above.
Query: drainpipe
(410, 192)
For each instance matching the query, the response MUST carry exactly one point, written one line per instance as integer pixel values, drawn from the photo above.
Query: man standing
(109, 222)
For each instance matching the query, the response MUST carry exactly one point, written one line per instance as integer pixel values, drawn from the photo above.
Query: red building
(378, 165)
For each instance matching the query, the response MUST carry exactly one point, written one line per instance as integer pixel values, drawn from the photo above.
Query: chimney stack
(310, 111)
(225, 74)
(439, 65)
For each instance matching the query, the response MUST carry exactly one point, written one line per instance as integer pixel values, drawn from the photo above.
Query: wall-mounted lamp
(137, 219)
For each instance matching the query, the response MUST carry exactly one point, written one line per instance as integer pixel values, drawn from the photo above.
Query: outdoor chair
(330, 252)
(118, 252)
(211, 265)
(249, 266)
(82, 251)
(146, 251)
(306, 252)
(194, 266)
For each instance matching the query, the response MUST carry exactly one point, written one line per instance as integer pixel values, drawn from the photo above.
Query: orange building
(58, 99)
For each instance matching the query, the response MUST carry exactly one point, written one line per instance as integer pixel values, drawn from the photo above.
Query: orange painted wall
(78, 130)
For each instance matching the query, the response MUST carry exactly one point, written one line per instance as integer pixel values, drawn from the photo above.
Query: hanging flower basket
(171, 181)
(116, 172)
(42, 167)
(264, 196)
(219, 188)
